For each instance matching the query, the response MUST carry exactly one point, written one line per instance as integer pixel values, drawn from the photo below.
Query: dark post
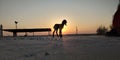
(49, 33)
(16, 24)
(76, 30)
(1, 30)
(15, 34)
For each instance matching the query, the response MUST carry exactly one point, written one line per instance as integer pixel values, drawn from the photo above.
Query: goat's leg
(60, 33)
(57, 33)
(53, 33)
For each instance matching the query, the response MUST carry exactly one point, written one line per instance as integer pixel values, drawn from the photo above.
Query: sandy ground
(67, 48)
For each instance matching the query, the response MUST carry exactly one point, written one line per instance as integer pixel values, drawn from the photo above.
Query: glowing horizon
(87, 15)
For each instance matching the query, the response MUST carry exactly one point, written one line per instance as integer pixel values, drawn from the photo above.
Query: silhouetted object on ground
(15, 31)
(115, 31)
(101, 30)
(16, 24)
(59, 27)
(46, 54)
(1, 30)
(76, 30)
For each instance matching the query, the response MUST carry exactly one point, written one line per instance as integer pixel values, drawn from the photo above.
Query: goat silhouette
(59, 27)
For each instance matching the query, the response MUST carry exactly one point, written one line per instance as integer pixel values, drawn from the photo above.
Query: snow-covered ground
(66, 48)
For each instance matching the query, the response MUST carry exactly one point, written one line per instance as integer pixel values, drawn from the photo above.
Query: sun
(65, 30)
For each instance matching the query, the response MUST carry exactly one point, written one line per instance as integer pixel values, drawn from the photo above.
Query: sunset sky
(87, 15)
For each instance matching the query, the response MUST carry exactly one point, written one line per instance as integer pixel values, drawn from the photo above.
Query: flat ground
(67, 48)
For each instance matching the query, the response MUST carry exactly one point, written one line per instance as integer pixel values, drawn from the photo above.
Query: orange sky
(87, 15)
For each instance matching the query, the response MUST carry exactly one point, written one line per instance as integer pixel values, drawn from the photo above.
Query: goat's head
(64, 22)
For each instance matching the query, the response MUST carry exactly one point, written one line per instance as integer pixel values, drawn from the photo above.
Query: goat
(59, 27)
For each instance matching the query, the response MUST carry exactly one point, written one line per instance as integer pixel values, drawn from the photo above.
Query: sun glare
(65, 30)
